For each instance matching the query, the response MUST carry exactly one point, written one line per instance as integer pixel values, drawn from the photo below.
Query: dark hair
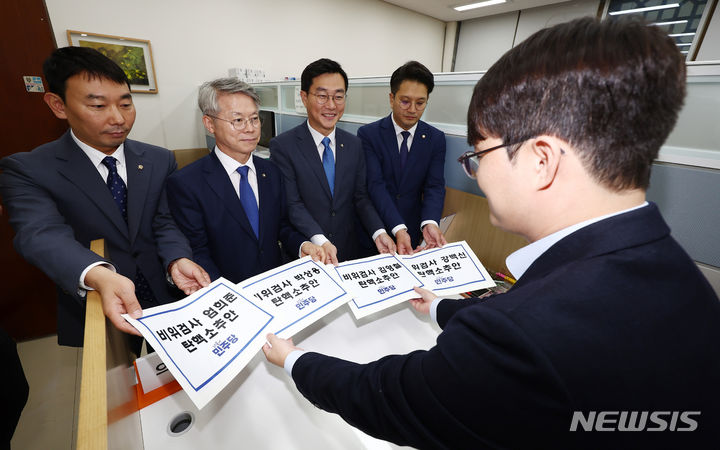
(320, 67)
(67, 62)
(412, 70)
(611, 89)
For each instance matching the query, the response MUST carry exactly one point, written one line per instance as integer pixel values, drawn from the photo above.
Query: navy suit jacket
(311, 207)
(58, 202)
(614, 317)
(415, 193)
(209, 212)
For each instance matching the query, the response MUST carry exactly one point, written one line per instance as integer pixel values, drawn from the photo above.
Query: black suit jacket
(312, 210)
(614, 317)
(209, 212)
(412, 194)
(58, 202)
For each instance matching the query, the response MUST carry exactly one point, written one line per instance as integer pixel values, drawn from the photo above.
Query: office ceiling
(443, 9)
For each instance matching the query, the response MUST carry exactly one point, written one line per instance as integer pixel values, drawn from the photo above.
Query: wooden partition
(108, 416)
(472, 224)
(188, 155)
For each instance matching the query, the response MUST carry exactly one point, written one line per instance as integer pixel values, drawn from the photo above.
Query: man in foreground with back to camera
(95, 183)
(406, 162)
(230, 204)
(611, 327)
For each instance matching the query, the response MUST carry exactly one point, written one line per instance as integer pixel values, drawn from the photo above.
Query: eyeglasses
(419, 105)
(323, 98)
(240, 124)
(469, 160)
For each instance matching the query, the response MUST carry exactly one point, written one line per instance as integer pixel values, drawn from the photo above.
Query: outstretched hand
(422, 304)
(277, 350)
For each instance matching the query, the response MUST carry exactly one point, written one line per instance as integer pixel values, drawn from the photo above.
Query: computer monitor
(267, 131)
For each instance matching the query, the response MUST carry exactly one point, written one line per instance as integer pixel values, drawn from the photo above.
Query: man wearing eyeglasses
(324, 171)
(406, 162)
(231, 204)
(607, 340)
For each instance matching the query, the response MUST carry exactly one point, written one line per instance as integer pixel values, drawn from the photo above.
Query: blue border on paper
(388, 298)
(454, 286)
(311, 312)
(232, 359)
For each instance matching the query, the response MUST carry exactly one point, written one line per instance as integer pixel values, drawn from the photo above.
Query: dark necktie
(116, 185)
(404, 149)
(247, 198)
(329, 164)
(118, 189)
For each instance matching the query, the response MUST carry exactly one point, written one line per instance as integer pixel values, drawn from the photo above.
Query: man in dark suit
(324, 171)
(607, 339)
(406, 162)
(95, 183)
(230, 204)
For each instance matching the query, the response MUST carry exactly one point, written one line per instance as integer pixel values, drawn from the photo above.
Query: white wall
(710, 48)
(484, 40)
(195, 41)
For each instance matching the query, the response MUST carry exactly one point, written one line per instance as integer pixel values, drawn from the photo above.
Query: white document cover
(206, 339)
(377, 283)
(451, 269)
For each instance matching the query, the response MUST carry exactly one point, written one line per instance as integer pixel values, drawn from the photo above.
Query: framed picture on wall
(134, 56)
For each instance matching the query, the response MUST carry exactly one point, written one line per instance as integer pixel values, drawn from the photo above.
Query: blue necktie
(329, 164)
(404, 149)
(116, 185)
(247, 198)
(118, 189)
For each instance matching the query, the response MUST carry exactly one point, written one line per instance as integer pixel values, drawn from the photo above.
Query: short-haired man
(95, 183)
(230, 204)
(406, 162)
(324, 171)
(606, 340)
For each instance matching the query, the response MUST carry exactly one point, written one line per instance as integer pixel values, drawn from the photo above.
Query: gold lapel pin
(341, 145)
(263, 174)
(140, 166)
(423, 136)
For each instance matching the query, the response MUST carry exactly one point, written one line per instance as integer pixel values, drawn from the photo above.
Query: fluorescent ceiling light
(647, 8)
(681, 34)
(478, 5)
(686, 44)
(674, 22)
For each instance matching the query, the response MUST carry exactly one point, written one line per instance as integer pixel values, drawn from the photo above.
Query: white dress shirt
(320, 239)
(398, 135)
(519, 261)
(96, 157)
(231, 166)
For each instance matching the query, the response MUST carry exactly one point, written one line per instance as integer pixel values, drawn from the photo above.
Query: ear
(391, 96)
(56, 104)
(546, 154)
(209, 125)
(303, 97)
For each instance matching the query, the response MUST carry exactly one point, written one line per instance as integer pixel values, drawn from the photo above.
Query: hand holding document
(206, 339)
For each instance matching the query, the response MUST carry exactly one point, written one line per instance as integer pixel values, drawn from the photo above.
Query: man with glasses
(231, 204)
(406, 162)
(324, 171)
(608, 338)
(95, 183)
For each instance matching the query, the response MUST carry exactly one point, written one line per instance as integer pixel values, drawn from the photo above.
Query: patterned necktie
(116, 185)
(329, 164)
(404, 149)
(247, 198)
(118, 189)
